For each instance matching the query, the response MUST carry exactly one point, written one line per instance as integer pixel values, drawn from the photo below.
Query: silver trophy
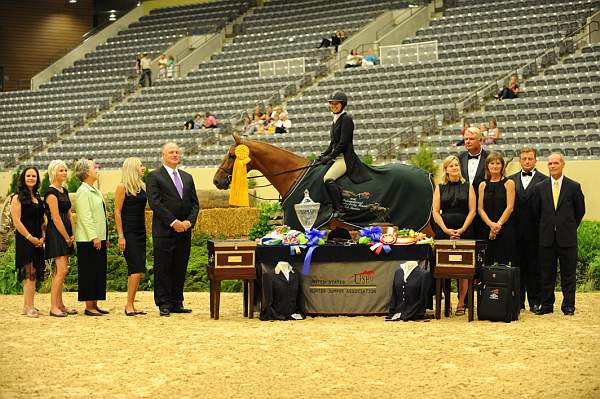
(307, 211)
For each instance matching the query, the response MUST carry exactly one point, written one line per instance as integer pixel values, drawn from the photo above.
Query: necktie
(473, 156)
(526, 174)
(555, 193)
(178, 184)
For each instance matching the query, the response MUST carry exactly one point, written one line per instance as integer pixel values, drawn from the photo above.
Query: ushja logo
(363, 277)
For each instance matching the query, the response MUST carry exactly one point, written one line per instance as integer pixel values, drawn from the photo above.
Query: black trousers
(171, 255)
(146, 78)
(527, 260)
(567, 256)
(91, 271)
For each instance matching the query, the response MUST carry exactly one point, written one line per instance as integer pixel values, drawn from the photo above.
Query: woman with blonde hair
(493, 133)
(59, 234)
(130, 206)
(496, 203)
(454, 207)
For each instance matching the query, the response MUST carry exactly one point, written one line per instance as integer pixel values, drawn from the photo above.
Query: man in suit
(172, 197)
(526, 225)
(559, 206)
(472, 165)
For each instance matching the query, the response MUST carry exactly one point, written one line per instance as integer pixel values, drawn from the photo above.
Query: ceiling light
(72, 1)
(112, 17)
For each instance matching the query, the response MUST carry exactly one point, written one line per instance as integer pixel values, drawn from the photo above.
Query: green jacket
(91, 216)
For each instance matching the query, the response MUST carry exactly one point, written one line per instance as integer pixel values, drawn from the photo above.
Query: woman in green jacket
(91, 238)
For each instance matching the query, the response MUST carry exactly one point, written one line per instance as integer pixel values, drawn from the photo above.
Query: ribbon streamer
(314, 237)
(239, 179)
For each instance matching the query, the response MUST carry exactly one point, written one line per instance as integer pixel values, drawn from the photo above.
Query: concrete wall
(149, 5)
(585, 172)
(88, 46)
(408, 26)
(594, 28)
(207, 45)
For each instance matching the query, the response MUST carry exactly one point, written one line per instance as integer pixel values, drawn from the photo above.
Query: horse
(410, 189)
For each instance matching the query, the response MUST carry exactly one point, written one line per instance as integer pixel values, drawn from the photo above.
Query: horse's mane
(271, 148)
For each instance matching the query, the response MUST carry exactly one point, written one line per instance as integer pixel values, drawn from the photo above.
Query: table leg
(471, 300)
(217, 298)
(251, 298)
(245, 298)
(438, 298)
(447, 306)
(212, 298)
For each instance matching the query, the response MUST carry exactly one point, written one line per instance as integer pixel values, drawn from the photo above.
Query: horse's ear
(237, 138)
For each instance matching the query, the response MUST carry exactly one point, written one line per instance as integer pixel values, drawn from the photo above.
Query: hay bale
(220, 198)
(227, 222)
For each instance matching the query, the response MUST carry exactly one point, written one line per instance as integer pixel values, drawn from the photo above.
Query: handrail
(407, 135)
(562, 46)
(395, 23)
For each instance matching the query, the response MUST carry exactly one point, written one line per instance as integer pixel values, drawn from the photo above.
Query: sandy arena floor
(192, 356)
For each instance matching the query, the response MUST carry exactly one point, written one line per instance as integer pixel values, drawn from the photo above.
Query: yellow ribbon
(239, 179)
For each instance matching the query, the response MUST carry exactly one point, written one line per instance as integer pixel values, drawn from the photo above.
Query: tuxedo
(558, 238)
(478, 228)
(342, 135)
(526, 237)
(171, 249)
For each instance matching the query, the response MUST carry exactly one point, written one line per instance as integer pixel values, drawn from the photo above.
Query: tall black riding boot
(335, 193)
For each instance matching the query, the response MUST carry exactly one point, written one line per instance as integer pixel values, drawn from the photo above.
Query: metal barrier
(409, 53)
(388, 147)
(285, 67)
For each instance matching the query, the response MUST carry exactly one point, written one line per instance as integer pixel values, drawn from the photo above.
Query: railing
(410, 136)
(284, 67)
(550, 55)
(407, 53)
(391, 25)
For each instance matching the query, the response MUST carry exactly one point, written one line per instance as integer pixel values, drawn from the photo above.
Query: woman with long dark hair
(27, 214)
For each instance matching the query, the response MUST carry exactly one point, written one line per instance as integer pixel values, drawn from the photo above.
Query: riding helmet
(339, 96)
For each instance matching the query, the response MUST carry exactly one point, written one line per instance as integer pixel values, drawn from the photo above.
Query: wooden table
(443, 277)
(231, 260)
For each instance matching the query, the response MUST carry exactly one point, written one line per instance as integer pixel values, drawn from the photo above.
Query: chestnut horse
(281, 167)
(284, 170)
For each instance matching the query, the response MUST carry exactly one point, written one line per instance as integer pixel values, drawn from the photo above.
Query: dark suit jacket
(563, 220)
(525, 223)
(342, 135)
(166, 204)
(463, 157)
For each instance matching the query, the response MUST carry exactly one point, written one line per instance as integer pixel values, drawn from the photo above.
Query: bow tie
(526, 173)
(474, 156)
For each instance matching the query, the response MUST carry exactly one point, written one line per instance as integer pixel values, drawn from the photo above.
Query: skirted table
(345, 279)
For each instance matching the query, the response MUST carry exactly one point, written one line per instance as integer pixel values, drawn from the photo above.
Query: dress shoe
(62, 314)
(164, 311)
(70, 311)
(569, 311)
(181, 310)
(90, 313)
(101, 311)
(535, 308)
(543, 311)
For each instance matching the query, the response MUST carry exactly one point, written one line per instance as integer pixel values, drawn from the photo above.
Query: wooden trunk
(454, 257)
(231, 259)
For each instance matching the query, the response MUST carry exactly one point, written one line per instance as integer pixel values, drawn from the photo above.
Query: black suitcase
(499, 295)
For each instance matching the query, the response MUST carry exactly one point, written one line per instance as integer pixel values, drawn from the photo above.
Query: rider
(341, 152)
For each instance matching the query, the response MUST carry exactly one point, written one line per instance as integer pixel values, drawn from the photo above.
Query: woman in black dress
(454, 208)
(27, 213)
(130, 206)
(496, 203)
(59, 234)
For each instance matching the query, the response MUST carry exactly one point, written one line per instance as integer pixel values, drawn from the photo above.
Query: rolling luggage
(498, 296)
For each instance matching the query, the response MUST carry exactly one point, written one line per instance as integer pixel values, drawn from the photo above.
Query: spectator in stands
(454, 208)
(325, 42)
(27, 212)
(188, 125)
(146, 77)
(138, 64)
(466, 126)
(130, 220)
(268, 116)
(255, 125)
(91, 237)
(493, 133)
(278, 110)
(59, 234)
(353, 60)
(370, 59)
(198, 121)
(496, 203)
(162, 66)
(258, 112)
(209, 121)
(283, 125)
(246, 121)
(511, 90)
(336, 40)
(170, 67)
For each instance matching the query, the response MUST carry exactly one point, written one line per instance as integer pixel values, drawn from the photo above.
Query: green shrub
(268, 211)
(44, 184)
(423, 159)
(367, 159)
(588, 239)
(9, 275)
(14, 179)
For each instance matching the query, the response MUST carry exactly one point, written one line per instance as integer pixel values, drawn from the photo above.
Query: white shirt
(472, 165)
(525, 180)
(170, 171)
(145, 63)
(337, 116)
(286, 124)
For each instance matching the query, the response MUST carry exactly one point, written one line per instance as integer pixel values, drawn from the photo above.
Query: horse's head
(222, 177)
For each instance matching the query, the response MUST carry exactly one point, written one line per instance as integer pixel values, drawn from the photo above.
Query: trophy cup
(307, 211)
